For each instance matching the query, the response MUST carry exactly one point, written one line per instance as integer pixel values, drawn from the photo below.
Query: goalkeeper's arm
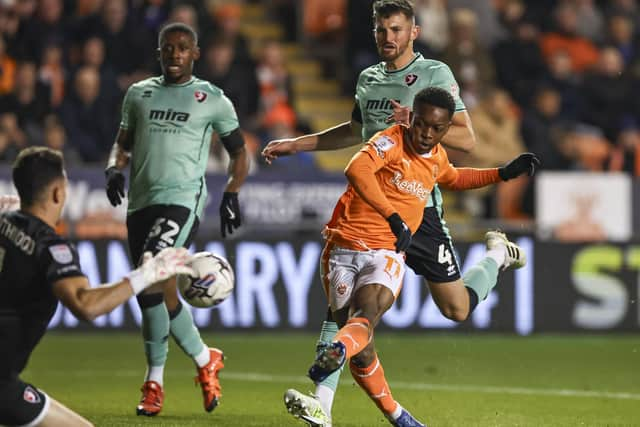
(87, 303)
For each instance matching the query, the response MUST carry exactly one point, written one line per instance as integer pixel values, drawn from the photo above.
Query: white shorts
(346, 270)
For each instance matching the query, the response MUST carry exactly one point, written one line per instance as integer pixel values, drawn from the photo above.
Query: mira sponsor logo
(167, 121)
(380, 104)
(168, 115)
(415, 188)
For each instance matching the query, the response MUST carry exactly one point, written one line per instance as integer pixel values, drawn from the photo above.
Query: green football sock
(185, 333)
(482, 277)
(327, 333)
(326, 390)
(155, 331)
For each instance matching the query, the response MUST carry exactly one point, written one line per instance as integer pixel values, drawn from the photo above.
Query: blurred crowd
(65, 66)
(556, 77)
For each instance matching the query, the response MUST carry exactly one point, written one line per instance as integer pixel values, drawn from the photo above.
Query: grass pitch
(444, 380)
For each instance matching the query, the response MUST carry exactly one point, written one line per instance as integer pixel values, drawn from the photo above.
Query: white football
(214, 282)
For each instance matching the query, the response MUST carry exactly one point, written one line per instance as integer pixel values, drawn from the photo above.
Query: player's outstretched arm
(340, 136)
(470, 178)
(87, 303)
(460, 135)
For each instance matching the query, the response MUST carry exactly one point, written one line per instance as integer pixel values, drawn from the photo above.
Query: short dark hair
(437, 97)
(177, 27)
(386, 8)
(34, 169)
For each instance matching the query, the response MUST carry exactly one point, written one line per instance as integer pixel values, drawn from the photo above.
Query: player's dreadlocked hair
(34, 169)
(437, 97)
(180, 28)
(386, 8)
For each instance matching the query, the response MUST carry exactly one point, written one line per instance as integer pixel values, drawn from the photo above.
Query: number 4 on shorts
(444, 255)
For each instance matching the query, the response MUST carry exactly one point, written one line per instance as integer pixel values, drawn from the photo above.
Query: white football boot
(306, 408)
(514, 255)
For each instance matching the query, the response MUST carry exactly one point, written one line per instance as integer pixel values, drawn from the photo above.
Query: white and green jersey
(377, 86)
(172, 126)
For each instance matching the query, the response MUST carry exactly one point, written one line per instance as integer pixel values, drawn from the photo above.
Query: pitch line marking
(298, 379)
(256, 377)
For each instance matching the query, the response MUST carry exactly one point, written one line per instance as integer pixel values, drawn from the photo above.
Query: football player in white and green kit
(381, 91)
(166, 128)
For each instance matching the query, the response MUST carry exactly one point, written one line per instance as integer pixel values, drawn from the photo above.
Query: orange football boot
(208, 379)
(152, 398)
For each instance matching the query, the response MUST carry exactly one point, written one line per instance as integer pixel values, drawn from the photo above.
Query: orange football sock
(355, 335)
(371, 379)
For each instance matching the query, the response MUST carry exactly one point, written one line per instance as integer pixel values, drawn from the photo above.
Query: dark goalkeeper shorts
(431, 253)
(21, 404)
(160, 226)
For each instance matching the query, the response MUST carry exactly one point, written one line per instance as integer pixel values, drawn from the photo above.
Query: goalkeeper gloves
(167, 263)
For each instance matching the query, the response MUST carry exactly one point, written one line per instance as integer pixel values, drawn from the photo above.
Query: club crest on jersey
(436, 170)
(30, 395)
(410, 79)
(382, 144)
(200, 96)
(61, 253)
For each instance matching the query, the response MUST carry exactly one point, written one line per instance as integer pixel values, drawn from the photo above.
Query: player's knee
(455, 313)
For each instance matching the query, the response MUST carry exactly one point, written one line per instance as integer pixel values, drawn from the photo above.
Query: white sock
(498, 254)
(325, 396)
(396, 414)
(155, 373)
(203, 357)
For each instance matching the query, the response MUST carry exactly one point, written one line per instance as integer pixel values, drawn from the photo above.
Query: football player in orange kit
(362, 265)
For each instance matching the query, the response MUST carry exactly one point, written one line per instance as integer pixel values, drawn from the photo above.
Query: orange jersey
(388, 176)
